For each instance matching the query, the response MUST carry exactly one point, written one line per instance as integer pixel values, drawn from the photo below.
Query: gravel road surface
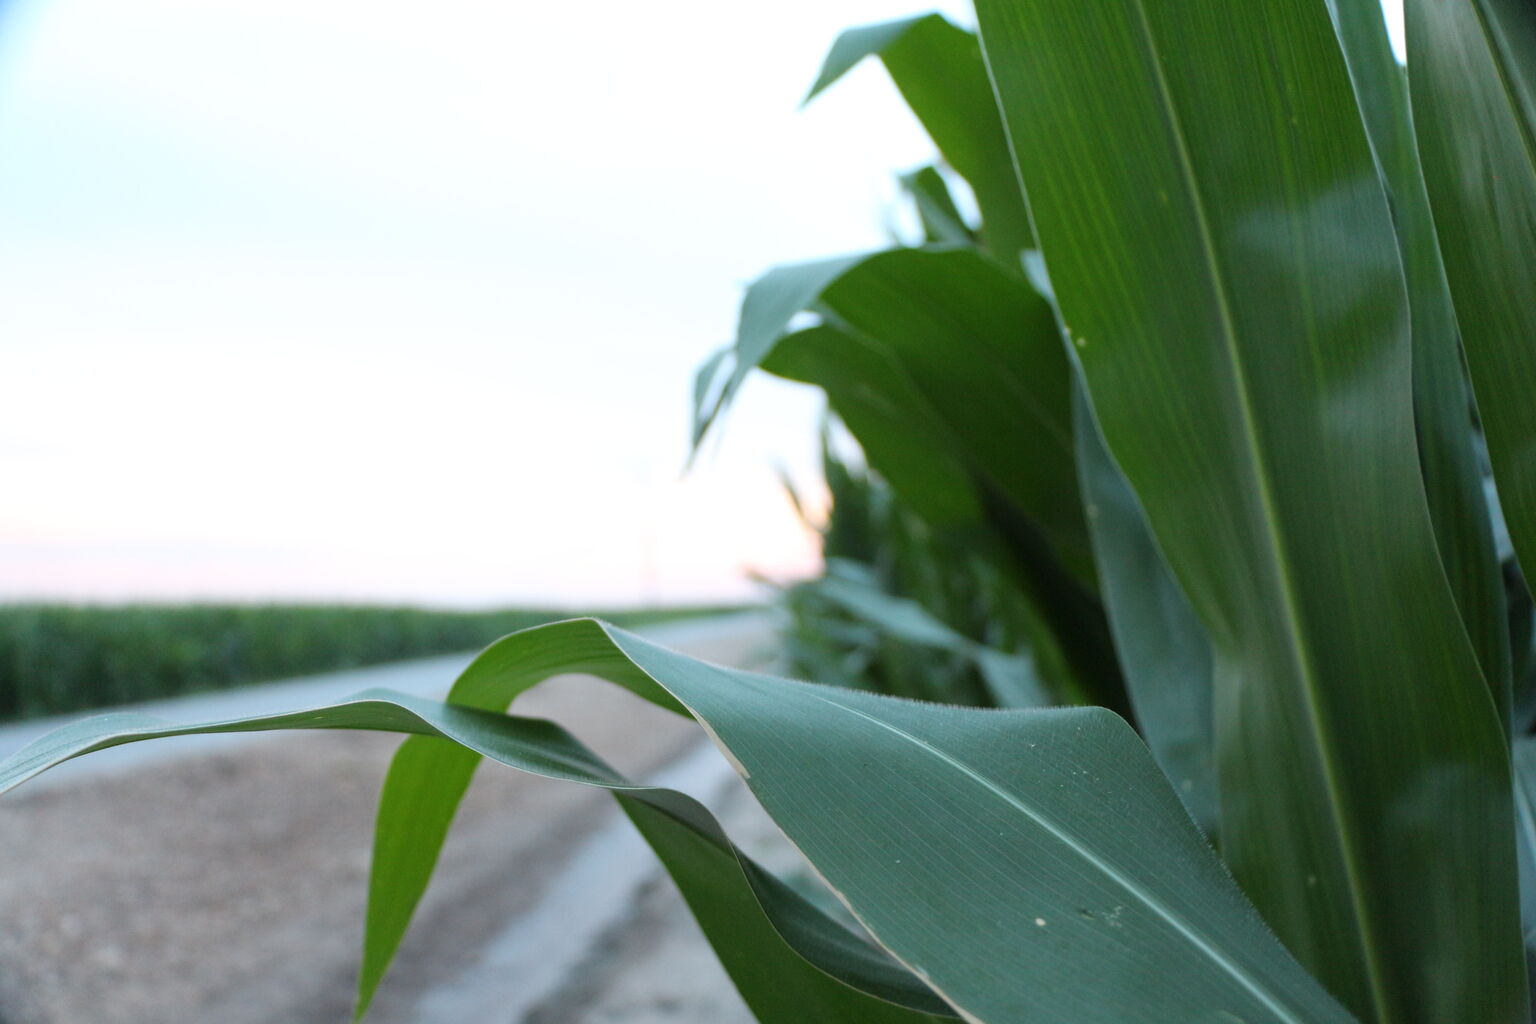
(225, 882)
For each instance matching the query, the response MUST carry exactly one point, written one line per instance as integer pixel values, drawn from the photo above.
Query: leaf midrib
(1277, 550)
(1063, 835)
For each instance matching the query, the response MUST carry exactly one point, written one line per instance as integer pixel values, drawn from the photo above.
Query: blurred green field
(56, 658)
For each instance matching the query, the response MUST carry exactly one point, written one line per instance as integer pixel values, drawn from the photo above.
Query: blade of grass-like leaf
(925, 456)
(939, 71)
(707, 387)
(979, 345)
(776, 984)
(941, 219)
(1452, 465)
(878, 403)
(1524, 756)
(1027, 864)
(1472, 77)
(1011, 678)
(1163, 649)
(766, 310)
(1223, 256)
(711, 872)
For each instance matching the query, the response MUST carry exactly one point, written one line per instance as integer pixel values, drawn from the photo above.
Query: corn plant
(903, 610)
(1194, 381)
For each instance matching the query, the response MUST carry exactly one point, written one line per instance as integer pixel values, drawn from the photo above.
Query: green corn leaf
(729, 891)
(1448, 454)
(1524, 756)
(1163, 649)
(931, 443)
(977, 344)
(1224, 260)
(1031, 865)
(875, 398)
(1472, 77)
(708, 393)
(769, 305)
(936, 209)
(939, 71)
(959, 837)
(775, 983)
(1011, 679)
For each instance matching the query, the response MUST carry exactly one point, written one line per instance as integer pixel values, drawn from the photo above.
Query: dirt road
(228, 885)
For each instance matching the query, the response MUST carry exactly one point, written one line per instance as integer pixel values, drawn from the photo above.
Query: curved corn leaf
(1163, 649)
(1011, 679)
(1223, 257)
(925, 457)
(880, 406)
(942, 221)
(770, 304)
(977, 344)
(1472, 72)
(712, 873)
(1026, 864)
(939, 71)
(1448, 454)
(775, 983)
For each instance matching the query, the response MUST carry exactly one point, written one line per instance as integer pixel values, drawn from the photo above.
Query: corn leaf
(1027, 864)
(942, 221)
(1472, 72)
(951, 376)
(1163, 649)
(977, 344)
(938, 69)
(732, 890)
(769, 305)
(1010, 678)
(1448, 453)
(876, 399)
(1524, 756)
(1224, 261)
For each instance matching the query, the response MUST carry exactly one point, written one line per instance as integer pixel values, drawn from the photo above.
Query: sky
(374, 300)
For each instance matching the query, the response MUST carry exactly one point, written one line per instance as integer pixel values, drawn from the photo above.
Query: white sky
(329, 298)
(381, 300)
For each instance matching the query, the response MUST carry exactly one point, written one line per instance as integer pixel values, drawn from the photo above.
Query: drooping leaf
(715, 877)
(952, 378)
(939, 71)
(1027, 864)
(1224, 260)
(941, 219)
(766, 310)
(977, 344)
(874, 397)
(1472, 77)
(1163, 649)
(776, 983)
(961, 838)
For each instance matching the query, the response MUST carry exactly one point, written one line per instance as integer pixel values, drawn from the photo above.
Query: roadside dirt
(231, 888)
(655, 967)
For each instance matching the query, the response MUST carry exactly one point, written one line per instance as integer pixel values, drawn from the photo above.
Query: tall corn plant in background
(904, 611)
(1194, 391)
